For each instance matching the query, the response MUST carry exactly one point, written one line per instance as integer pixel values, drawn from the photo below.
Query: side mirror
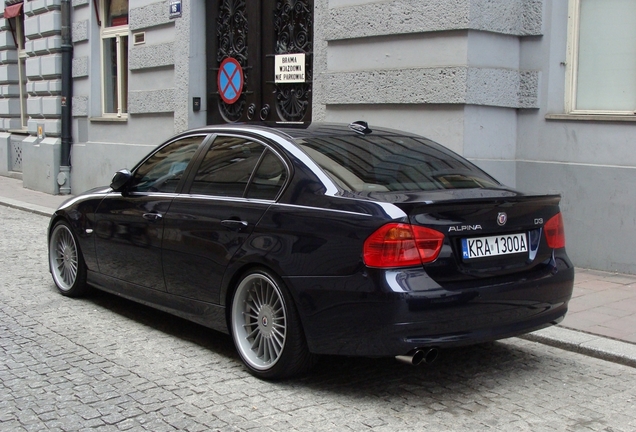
(120, 179)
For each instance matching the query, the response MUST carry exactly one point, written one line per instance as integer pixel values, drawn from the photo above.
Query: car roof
(299, 130)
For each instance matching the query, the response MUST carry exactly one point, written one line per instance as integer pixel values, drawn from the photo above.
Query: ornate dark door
(272, 41)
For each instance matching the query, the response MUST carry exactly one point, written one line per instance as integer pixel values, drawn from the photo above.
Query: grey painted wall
(598, 207)
(166, 72)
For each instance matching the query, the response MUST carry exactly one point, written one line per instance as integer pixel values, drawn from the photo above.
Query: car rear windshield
(377, 163)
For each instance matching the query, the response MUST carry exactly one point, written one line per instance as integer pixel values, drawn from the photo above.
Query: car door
(129, 224)
(235, 183)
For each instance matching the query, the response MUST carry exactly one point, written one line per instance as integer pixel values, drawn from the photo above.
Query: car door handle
(152, 217)
(234, 224)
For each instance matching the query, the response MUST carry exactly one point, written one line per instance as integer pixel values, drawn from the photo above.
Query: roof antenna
(360, 127)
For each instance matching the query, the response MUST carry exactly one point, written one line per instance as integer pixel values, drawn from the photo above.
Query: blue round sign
(230, 80)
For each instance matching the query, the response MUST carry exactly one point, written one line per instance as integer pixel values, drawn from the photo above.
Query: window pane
(116, 12)
(163, 170)
(116, 75)
(123, 56)
(110, 75)
(606, 78)
(378, 163)
(227, 167)
(268, 179)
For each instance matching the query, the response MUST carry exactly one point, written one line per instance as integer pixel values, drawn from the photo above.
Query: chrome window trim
(268, 147)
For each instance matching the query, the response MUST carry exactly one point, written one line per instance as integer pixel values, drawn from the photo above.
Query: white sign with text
(289, 68)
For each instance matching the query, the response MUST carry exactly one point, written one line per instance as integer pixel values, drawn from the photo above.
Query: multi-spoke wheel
(66, 261)
(266, 329)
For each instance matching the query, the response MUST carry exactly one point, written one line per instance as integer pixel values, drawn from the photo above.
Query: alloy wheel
(259, 321)
(63, 256)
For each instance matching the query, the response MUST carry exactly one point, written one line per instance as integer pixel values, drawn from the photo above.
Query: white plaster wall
(5, 153)
(398, 51)
(443, 124)
(598, 208)
(490, 136)
(489, 132)
(95, 163)
(41, 164)
(490, 50)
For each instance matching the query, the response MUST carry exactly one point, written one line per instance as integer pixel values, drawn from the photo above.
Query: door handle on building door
(251, 111)
(265, 112)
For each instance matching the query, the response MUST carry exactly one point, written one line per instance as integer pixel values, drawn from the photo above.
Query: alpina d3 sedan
(308, 239)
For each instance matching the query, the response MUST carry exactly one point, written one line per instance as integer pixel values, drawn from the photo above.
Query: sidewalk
(601, 320)
(12, 194)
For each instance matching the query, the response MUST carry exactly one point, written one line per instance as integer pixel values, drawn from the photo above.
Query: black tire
(266, 329)
(66, 262)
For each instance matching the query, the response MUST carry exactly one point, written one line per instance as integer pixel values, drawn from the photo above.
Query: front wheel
(266, 328)
(66, 261)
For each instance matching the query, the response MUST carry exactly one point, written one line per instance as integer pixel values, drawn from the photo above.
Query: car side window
(269, 178)
(227, 167)
(164, 169)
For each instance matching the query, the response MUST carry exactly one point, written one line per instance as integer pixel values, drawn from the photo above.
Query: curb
(587, 344)
(32, 208)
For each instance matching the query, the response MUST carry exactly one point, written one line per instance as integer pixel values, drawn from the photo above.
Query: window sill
(109, 119)
(593, 117)
(19, 131)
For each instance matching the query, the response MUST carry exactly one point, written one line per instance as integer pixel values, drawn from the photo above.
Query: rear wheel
(66, 261)
(266, 329)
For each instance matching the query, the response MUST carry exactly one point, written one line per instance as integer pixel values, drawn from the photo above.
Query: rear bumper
(388, 313)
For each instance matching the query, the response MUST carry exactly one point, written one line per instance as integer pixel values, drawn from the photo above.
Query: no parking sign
(230, 80)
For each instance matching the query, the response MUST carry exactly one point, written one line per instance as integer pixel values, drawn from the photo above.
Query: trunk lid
(490, 233)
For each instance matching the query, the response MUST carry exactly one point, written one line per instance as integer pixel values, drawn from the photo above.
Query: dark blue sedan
(307, 239)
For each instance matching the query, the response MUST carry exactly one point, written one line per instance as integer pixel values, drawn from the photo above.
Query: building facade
(540, 93)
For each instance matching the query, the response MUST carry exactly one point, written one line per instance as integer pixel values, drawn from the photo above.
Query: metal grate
(16, 156)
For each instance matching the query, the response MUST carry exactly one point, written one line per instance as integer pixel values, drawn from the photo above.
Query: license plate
(492, 246)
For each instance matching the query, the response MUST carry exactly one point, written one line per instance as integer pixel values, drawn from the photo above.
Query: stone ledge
(80, 67)
(80, 106)
(593, 117)
(151, 101)
(79, 3)
(152, 15)
(151, 56)
(79, 31)
(510, 17)
(449, 85)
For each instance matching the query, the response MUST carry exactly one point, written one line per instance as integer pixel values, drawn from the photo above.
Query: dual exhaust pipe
(418, 356)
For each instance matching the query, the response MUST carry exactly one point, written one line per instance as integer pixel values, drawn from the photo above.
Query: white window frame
(118, 33)
(572, 62)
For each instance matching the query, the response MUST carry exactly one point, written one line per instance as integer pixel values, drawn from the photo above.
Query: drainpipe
(64, 177)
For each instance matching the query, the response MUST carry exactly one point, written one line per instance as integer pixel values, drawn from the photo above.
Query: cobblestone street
(110, 364)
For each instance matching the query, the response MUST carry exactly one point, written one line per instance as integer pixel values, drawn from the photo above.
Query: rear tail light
(554, 232)
(402, 245)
